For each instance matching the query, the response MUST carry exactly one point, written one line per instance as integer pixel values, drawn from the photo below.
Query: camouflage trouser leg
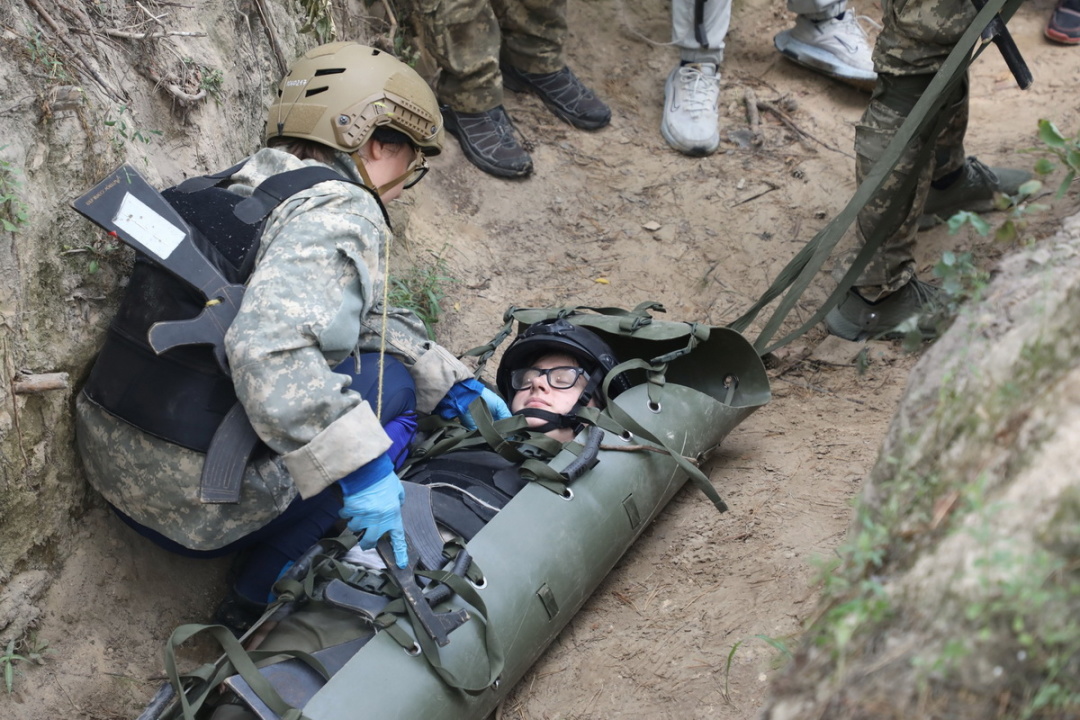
(917, 38)
(534, 33)
(466, 38)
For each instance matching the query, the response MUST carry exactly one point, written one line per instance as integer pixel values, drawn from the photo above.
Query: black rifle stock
(999, 35)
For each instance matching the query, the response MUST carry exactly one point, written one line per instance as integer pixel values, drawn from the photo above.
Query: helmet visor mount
(355, 124)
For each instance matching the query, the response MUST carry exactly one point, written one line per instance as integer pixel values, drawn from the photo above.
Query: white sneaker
(691, 117)
(838, 48)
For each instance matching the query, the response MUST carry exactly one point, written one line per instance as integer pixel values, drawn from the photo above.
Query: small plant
(45, 56)
(1017, 208)
(961, 280)
(422, 289)
(211, 82)
(319, 19)
(124, 132)
(35, 651)
(1066, 150)
(13, 211)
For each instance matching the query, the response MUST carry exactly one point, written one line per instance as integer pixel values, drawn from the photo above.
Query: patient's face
(537, 389)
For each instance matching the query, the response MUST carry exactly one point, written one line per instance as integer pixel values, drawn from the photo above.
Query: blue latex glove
(457, 400)
(373, 498)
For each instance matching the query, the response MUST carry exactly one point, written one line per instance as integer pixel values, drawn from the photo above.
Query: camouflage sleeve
(434, 369)
(300, 316)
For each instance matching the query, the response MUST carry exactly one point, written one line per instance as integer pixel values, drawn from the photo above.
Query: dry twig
(61, 33)
(786, 120)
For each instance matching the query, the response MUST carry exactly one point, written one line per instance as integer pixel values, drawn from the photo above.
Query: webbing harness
(798, 273)
(378, 599)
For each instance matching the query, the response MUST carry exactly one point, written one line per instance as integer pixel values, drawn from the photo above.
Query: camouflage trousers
(469, 37)
(917, 37)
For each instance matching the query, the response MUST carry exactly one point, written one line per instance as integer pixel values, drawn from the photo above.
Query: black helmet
(562, 336)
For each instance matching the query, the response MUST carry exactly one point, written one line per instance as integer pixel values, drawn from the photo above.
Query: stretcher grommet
(567, 494)
(626, 436)
(479, 585)
(495, 685)
(653, 406)
(413, 651)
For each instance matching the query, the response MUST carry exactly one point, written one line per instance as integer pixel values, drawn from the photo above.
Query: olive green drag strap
(626, 423)
(388, 622)
(798, 273)
(206, 679)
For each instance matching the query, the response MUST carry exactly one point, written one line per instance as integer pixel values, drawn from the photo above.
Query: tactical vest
(182, 395)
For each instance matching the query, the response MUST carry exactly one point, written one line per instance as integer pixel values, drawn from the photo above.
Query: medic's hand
(373, 498)
(457, 400)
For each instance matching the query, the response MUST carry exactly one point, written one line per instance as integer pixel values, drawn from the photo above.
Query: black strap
(232, 446)
(276, 189)
(418, 517)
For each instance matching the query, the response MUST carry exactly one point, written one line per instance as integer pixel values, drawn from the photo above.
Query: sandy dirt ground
(688, 624)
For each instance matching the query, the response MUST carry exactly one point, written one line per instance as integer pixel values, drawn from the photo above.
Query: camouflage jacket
(314, 297)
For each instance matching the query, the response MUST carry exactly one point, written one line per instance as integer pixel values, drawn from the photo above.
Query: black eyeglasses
(563, 377)
(417, 169)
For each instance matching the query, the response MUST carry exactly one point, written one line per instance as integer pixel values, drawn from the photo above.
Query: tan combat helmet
(337, 94)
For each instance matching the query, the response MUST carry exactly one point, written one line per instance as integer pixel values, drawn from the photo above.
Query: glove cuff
(458, 398)
(365, 476)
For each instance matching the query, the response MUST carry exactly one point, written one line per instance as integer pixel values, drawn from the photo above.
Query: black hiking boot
(563, 93)
(487, 139)
(238, 613)
(858, 319)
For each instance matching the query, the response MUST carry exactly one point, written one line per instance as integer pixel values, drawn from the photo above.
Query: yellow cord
(382, 338)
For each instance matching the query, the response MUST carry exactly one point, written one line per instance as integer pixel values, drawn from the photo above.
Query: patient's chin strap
(552, 421)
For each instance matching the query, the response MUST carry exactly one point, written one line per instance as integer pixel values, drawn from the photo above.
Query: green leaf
(1029, 188)
(1073, 158)
(1045, 166)
(1064, 187)
(1007, 233)
(1050, 135)
(979, 223)
(778, 644)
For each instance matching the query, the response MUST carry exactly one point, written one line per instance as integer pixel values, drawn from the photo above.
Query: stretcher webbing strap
(236, 660)
(798, 273)
(621, 417)
(462, 588)
(699, 333)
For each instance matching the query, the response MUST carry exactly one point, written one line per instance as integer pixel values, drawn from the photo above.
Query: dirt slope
(686, 626)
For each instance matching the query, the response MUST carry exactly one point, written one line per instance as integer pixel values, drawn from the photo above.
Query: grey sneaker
(563, 93)
(691, 121)
(857, 319)
(487, 139)
(974, 191)
(838, 48)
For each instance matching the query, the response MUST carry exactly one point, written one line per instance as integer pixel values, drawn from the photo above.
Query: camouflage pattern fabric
(917, 37)
(314, 298)
(468, 37)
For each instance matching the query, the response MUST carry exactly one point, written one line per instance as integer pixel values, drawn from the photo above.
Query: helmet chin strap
(552, 421)
(358, 161)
